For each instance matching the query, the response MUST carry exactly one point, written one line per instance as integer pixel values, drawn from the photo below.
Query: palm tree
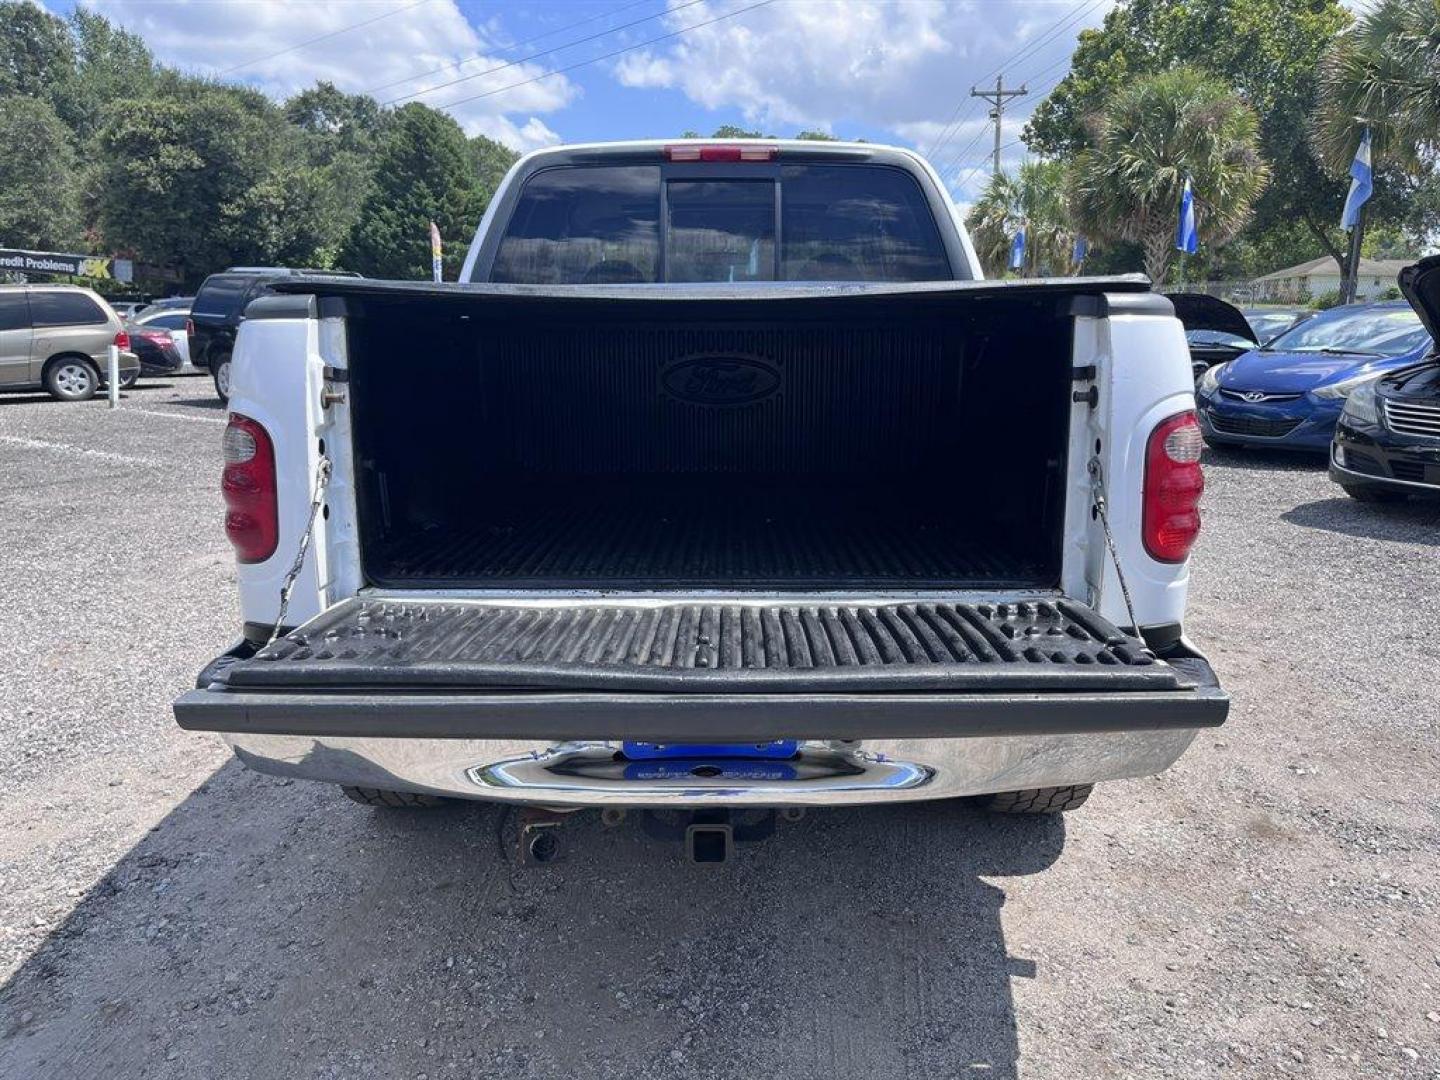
(1151, 136)
(1033, 198)
(1383, 73)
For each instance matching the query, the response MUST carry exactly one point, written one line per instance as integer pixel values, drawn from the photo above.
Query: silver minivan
(58, 337)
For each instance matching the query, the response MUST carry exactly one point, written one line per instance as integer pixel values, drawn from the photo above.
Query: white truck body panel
(291, 374)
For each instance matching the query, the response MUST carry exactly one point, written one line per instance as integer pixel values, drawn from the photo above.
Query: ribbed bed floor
(696, 646)
(607, 538)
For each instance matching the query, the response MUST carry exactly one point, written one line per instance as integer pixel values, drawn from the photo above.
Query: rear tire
(1046, 800)
(1367, 493)
(71, 378)
(366, 796)
(220, 372)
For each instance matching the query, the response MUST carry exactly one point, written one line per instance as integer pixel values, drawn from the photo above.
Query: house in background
(1299, 284)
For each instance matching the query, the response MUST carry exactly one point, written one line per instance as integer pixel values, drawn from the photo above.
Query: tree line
(108, 151)
(1261, 104)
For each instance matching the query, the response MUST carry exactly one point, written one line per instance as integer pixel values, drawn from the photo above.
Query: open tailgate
(693, 670)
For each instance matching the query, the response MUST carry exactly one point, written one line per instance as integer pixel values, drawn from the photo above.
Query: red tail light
(1170, 521)
(252, 508)
(720, 153)
(122, 341)
(189, 327)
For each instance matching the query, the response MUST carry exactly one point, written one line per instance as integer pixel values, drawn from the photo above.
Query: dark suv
(219, 309)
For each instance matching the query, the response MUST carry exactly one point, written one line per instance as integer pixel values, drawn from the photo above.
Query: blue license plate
(646, 751)
(735, 769)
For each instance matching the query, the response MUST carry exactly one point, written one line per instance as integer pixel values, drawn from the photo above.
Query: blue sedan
(1289, 393)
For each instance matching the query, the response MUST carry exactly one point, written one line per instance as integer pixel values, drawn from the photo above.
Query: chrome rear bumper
(824, 773)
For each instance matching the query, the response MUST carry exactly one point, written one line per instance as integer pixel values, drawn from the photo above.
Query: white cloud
(432, 37)
(899, 67)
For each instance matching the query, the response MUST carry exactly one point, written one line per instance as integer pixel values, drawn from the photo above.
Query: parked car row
(1356, 382)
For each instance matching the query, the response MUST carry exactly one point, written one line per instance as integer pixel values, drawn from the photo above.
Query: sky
(532, 73)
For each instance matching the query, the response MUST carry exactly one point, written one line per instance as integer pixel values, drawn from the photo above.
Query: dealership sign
(51, 262)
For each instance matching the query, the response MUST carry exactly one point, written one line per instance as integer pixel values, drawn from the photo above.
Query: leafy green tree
(727, 131)
(338, 135)
(1149, 139)
(36, 55)
(1383, 74)
(181, 179)
(491, 161)
(423, 173)
(110, 64)
(1267, 51)
(39, 196)
(1034, 198)
(815, 135)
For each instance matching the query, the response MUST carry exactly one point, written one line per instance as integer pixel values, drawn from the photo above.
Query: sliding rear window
(603, 224)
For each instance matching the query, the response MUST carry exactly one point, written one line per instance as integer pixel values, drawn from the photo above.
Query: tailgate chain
(1097, 488)
(322, 478)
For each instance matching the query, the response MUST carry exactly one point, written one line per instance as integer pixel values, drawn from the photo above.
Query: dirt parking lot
(1266, 908)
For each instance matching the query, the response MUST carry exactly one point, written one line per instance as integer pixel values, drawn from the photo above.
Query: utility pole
(997, 99)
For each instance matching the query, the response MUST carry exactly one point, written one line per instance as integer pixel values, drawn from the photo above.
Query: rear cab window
(65, 309)
(603, 224)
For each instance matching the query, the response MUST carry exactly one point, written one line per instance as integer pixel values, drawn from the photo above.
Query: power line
(959, 157)
(1069, 18)
(608, 56)
(543, 52)
(323, 37)
(458, 64)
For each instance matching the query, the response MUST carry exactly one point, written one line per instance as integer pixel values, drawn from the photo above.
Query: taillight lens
(122, 341)
(189, 327)
(692, 152)
(252, 507)
(1170, 521)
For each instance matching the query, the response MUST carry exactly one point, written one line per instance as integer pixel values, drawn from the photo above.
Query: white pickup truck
(722, 480)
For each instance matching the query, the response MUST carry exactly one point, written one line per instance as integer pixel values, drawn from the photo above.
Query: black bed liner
(621, 539)
(706, 648)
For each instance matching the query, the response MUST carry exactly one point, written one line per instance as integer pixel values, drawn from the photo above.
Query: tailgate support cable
(1097, 488)
(322, 478)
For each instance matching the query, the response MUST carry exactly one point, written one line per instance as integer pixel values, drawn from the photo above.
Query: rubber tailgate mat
(708, 648)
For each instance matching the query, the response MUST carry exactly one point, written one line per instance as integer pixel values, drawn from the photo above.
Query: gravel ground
(1266, 908)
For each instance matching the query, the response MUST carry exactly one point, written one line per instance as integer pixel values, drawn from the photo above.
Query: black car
(1387, 442)
(156, 350)
(219, 309)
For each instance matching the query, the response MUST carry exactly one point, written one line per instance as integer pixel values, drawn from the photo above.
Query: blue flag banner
(1361, 185)
(1017, 250)
(1186, 237)
(1080, 250)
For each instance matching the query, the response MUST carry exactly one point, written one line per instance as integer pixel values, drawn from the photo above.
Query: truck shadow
(1410, 522)
(269, 928)
(1264, 459)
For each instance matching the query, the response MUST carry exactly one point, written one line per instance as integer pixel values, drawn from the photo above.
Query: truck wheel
(71, 378)
(1367, 493)
(220, 371)
(1045, 800)
(369, 796)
